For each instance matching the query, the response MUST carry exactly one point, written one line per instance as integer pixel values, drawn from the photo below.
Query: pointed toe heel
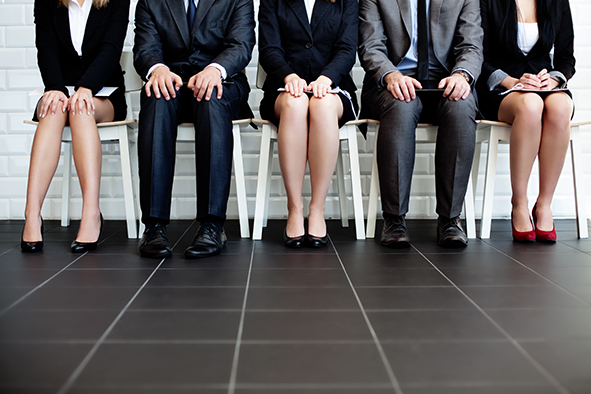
(547, 237)
(32, 247)
(82, 247)
(523, 236)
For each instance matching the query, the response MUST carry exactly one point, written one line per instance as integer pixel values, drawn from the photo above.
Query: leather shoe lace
(209, 241)
(394, 234)
(154, 243)
(450, 233)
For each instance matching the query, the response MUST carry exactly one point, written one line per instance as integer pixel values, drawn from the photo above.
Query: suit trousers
(454, 149)
(158, 123)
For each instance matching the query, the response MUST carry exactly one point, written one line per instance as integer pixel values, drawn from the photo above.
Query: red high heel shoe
(548, 237)
(523, 236)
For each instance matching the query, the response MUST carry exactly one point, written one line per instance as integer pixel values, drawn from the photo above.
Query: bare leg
(87, 152)
(323, 148)
(45, 155)
(524, 112)
(292, 141)
(558, 108)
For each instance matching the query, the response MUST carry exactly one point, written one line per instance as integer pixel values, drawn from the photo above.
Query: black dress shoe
(313, 241)
(154, 243)
(209, 241)
(32, 247)
(295, 242)
(450, 233)
(394, 233)
(81, 247)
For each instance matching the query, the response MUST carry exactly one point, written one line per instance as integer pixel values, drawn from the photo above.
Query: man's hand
(202, 83)
(456, 87)
(50, 101)
(401, 86)
(295, 85)
(165, 82)
(82, 101)
(321, 86)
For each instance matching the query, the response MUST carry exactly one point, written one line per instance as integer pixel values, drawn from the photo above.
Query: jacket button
(309, 45)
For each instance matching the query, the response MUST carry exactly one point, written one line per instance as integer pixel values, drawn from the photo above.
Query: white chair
(269, 135)
(425, 133)
(121, 132)
(500, 132)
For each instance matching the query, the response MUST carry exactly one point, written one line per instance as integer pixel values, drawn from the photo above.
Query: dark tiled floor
(496, 317)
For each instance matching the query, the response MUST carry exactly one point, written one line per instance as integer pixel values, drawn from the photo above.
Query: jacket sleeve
(346, 44)
(147, 48)
(48, 56)
(271, 51)
(373, 52)
(107, 58)
(564, 59)
(467, 49)
(239, 39)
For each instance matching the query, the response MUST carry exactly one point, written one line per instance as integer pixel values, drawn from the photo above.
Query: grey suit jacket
(385, 34)
(223, 33)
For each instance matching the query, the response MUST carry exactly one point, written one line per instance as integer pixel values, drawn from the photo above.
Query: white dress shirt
(78, 17)
(527, 36)
(309, 8)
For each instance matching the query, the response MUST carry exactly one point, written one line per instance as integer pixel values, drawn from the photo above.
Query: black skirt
(117, 99)
(350, 107)
(489, 102)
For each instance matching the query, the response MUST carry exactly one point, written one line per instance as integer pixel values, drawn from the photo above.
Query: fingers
(403, 88)
(296, 87)
(319, 89)
(147, 87)
(530, 81)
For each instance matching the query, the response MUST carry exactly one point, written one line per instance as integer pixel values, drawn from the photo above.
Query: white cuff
(154, 67)
(220, 68)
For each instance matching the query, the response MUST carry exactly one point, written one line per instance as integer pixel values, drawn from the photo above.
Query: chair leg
(469, 210)
(264, 177)
(127, 182)
(240, 183)
(355, 180)
(374, 190)
(135, 178)
(341, 186)
(580, 206)
(489, 182)
(66, 183)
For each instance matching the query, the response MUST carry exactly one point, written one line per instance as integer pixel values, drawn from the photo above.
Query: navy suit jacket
(99, 65)
(223, 32)
(327, 46)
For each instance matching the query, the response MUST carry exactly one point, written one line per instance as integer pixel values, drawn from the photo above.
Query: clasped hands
(165, 83)
(296, 86)
(539, 81)
(404, 87)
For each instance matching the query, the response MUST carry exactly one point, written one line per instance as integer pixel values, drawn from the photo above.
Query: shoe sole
(195, 256)
(396, 244)
(453, 243)
(158, 256)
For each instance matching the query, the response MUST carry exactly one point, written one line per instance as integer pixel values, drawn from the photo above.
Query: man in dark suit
(191, 52)
(410, 49)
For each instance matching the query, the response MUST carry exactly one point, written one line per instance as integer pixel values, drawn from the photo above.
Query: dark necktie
(423, 60)
(191, 14)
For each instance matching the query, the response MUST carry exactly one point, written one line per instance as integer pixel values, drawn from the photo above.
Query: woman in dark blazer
(518, 39)
(79, 44)
(307, 48)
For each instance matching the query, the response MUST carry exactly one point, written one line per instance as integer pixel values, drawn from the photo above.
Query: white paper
(104, 92)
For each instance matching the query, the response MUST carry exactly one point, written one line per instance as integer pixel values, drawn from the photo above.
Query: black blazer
(223, 33)
(327, 46)
(512, 60)
(99, 65)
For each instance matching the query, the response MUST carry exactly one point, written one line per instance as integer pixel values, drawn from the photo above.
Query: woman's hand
(82, 101)
(547, 82)
(321, 86)
(295, 85)
(50, 101)
(531, 81)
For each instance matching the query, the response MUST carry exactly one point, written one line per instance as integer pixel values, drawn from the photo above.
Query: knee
(324, 108)
(461, 110)
(529, 107)
(294, 106)
(558, 110)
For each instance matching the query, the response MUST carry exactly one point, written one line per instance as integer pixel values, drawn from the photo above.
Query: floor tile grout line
(9, 250)
(39, 286)
(393, 380)
(234, 370)
(74, 376)
(537, 365)
(542, 276)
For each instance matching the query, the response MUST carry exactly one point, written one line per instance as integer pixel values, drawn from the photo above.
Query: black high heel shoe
(313, 241)
(295, 242)
(32, 247)
(81, 247)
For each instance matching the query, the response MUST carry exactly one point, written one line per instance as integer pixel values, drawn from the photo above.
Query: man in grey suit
(421, 59)
(191, 53)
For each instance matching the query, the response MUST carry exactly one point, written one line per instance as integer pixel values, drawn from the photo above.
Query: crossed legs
(45, 155)
(540, 128)
(308, 133)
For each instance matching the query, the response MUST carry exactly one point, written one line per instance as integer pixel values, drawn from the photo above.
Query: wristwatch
(464, 74)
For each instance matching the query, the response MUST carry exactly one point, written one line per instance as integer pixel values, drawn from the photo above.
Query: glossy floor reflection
(496, 317)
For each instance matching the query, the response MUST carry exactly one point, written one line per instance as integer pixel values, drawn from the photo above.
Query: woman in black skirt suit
(307, 48)
(518, 38)
(79, 44)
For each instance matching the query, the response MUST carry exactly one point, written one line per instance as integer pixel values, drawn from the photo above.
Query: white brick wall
(19, 75)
